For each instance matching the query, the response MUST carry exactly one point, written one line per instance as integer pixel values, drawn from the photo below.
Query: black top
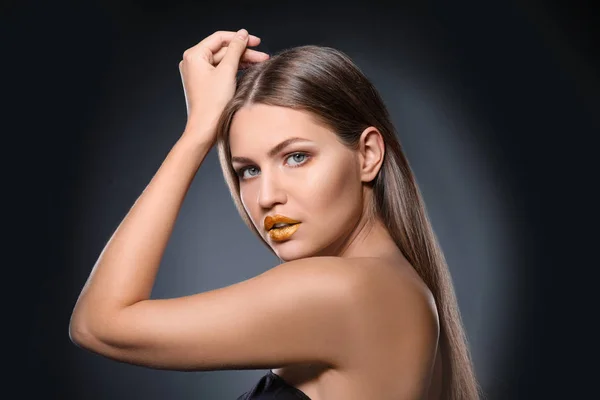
(272, 387)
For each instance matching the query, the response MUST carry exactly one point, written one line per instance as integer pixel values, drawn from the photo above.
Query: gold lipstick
(280, 233)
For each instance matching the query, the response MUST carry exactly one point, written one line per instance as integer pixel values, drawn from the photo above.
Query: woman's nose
(271, 192)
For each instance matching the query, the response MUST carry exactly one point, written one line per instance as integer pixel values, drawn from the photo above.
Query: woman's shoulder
(382, 293)
(396, 329)
(391, 280)
(394, 278)
(394, 302)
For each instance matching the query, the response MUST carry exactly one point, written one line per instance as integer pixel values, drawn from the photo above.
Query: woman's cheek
(249, 202)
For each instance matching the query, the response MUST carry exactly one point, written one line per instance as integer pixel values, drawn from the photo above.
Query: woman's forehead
(265, 125)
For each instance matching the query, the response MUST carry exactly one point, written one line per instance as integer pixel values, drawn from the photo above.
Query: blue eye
(298, 154)
(243, 170)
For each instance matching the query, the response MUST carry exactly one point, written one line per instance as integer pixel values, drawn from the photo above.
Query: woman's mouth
(279, 227)
(284, 232)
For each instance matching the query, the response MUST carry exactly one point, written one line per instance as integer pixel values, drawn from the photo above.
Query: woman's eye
(295, 156)
(243, 171)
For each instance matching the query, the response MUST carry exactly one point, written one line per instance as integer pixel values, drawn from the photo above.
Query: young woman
(362, 306)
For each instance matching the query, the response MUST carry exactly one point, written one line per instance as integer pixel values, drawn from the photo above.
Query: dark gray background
(495, 105)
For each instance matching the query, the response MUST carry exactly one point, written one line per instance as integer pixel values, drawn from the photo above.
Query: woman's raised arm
(126, 269)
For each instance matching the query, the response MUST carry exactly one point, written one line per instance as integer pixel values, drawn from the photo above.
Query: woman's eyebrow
(274, 151)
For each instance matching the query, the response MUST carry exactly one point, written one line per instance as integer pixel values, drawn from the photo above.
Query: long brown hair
(325, 82)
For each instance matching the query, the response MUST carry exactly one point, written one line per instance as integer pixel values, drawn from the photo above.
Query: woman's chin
(289, 251)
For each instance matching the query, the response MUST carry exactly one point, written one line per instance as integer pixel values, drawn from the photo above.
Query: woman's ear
(371, 151)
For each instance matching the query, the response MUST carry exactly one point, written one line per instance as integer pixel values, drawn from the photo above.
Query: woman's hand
(208, 71)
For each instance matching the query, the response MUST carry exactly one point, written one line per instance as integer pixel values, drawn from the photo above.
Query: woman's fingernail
(242, 33)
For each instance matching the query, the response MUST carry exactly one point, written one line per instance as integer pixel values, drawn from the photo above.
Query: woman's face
(315, 180)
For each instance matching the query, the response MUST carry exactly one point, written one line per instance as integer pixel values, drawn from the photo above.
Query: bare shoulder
(390, 334)
(394, 286)
(396, 328)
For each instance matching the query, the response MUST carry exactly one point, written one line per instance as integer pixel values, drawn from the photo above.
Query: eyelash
(240, 172)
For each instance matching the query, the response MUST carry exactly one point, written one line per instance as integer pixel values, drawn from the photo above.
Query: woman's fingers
(235, 49)
(249, 56)
(214, 43)
(221, 39)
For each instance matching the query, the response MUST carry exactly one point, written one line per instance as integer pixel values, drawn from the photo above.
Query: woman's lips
(271, 221)
(279, 234)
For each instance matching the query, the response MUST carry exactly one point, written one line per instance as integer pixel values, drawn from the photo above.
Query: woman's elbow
(82, 331)
(79, 335)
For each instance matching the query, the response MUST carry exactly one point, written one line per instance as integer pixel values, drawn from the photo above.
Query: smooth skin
(352, 321)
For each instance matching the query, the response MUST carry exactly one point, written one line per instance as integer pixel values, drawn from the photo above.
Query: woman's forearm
(126, 269)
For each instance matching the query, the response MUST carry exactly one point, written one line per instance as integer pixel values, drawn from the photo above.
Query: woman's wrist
(200, 129)
(198, 137)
